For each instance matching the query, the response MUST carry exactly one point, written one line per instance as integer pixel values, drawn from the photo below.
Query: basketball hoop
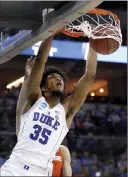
(96, 24)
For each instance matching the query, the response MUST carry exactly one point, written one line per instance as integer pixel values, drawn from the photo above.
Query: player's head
(53, 82)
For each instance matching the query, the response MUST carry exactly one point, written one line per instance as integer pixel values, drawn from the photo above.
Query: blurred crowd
(98, 156)
(97, 138)
(8, 102)
(90, 165)
(101, 119)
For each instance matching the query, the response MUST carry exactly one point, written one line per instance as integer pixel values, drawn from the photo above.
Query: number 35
(45, 133)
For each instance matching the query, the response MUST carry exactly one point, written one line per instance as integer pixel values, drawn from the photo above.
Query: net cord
(86, 28)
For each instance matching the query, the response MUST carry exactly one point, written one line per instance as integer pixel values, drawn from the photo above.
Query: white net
(97, 27)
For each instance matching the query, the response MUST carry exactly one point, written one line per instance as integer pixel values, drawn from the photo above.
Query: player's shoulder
(64, 148)
(65, 152)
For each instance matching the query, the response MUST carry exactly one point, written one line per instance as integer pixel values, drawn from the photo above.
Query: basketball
(107, 45)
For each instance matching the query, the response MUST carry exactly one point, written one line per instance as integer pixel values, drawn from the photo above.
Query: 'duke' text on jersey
(45, 119)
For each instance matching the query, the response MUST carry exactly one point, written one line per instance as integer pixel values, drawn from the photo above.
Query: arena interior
(97, 139)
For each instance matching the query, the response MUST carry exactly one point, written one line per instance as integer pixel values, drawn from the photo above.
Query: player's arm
(22, 96)
(66, 169)
(34, 80)
(74, 102)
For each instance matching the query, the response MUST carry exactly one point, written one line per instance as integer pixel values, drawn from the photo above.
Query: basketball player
(46, 116)
(62, 160)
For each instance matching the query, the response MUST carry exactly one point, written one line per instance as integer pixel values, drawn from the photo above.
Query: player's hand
(29, 65)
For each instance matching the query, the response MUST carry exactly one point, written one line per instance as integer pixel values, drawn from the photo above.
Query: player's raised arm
(22, 97)
(73, 104)
(34, 80)
(66, 169)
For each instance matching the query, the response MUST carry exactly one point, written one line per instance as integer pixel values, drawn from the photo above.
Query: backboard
(53, 18)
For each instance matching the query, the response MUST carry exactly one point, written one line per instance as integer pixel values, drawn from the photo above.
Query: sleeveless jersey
(58, 164)
(41, 132)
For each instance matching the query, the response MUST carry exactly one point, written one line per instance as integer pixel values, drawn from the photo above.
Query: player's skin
(73, 103)
(66, 168)
(22, 97)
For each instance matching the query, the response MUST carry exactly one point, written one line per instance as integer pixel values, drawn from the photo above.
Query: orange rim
(72, 33)
(103, 12)
(93, 11)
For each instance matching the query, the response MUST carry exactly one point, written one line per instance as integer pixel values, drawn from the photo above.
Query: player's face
(55, 82)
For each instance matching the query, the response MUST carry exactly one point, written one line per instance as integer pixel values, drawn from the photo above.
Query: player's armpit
(29, 104)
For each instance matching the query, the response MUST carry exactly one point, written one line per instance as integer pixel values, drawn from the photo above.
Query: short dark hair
(49, 70)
